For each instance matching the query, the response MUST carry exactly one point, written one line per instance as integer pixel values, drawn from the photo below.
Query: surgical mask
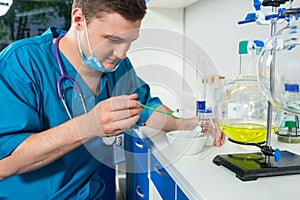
(92, 62)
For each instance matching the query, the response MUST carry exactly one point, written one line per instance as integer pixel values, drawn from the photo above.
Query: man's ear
(77, 18)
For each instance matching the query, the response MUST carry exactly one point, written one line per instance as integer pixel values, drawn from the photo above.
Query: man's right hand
(110, 117)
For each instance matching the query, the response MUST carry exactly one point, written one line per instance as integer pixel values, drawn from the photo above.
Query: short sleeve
(19, 116)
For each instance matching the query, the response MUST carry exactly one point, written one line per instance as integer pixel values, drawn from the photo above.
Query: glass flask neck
(245, 78)
(249, 54)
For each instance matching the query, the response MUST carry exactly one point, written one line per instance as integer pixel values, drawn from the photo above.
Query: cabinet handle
(138, 192)
(139, 145)
(156, 168)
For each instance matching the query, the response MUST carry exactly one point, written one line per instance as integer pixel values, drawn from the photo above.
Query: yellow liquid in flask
(245, 132)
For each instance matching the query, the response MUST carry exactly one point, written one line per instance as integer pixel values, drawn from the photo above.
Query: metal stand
(250, 166)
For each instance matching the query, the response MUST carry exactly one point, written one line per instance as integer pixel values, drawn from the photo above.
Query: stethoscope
(62, 77)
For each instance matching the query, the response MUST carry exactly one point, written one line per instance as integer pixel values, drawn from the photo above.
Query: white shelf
(169, 3)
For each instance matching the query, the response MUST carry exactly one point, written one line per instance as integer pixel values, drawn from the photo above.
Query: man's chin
(109, 66)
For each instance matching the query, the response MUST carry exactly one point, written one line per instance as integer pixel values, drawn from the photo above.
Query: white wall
(157, 53)
(211, 24)
(214, 25)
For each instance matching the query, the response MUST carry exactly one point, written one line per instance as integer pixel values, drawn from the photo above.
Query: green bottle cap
(290, 124)
(243, 47)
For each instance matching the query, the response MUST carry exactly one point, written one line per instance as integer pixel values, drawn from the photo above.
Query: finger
(123, 104)
(133, 96)
(124, 124)
(218, 141)
(124, 97)
(113, 133)
(220, 137)
(113, 128)
(124, 114)
(223, 138)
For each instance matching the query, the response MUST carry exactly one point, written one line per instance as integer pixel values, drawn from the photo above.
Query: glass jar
(289, 131)
(206, 122)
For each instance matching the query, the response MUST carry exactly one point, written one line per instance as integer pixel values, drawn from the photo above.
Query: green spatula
(161, 111)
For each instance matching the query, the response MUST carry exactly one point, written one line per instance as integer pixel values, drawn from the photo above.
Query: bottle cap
(243, 47)
(205, 111)
(259, 43)
(291, 87)
(201, 105)
(290, 124)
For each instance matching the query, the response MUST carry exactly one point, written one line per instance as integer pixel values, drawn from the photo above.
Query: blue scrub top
(30, 104)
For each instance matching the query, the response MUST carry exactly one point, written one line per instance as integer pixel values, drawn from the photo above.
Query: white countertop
(199, 178)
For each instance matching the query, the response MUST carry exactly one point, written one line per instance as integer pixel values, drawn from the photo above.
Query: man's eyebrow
(118, 38)
(113, 36)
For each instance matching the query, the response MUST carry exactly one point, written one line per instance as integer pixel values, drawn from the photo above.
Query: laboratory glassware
(241, 108)
(250, 166)
(289, 131)
(206, 122)
(281, 53)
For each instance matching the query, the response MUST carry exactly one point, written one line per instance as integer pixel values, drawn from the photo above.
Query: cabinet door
(137, 186)
(136, 151)
(108, 174)
(180, 194)
(137, 167)
(140, 153)
(141, 187)
(163, 182)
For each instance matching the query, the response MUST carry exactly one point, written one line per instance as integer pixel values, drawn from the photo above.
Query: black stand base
(251, 166)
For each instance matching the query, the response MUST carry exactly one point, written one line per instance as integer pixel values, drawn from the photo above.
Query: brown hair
(131, 10)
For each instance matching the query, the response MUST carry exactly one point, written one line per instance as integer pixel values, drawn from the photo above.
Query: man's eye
(115, 40)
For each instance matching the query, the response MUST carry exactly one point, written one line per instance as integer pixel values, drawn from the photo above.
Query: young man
(45, 128)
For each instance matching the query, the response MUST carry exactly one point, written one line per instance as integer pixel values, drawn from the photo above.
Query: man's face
(110, 38)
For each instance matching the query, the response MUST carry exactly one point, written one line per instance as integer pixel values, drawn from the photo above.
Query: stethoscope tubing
(107, 140)
(64, 76)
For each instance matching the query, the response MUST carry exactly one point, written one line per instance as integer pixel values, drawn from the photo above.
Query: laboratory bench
(159, 173)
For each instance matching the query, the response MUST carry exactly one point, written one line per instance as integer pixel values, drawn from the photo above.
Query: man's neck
(70, 49)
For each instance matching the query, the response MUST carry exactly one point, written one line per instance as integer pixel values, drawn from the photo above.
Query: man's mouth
(112, 60)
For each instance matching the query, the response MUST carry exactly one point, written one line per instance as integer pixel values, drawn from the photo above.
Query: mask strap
(79, 45)
(87, 36)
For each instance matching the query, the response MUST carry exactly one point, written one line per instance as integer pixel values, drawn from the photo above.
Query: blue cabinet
(107, 173)
(163, 182)
(180, 194)
(141, 186)
(136, 167)
(140, 162)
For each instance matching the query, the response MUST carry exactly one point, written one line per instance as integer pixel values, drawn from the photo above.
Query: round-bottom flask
(241, 111)
(279, 65)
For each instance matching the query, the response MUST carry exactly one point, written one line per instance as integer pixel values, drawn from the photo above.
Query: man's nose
(121, 51)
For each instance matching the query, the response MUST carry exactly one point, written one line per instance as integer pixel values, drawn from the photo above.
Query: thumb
(133, 96)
